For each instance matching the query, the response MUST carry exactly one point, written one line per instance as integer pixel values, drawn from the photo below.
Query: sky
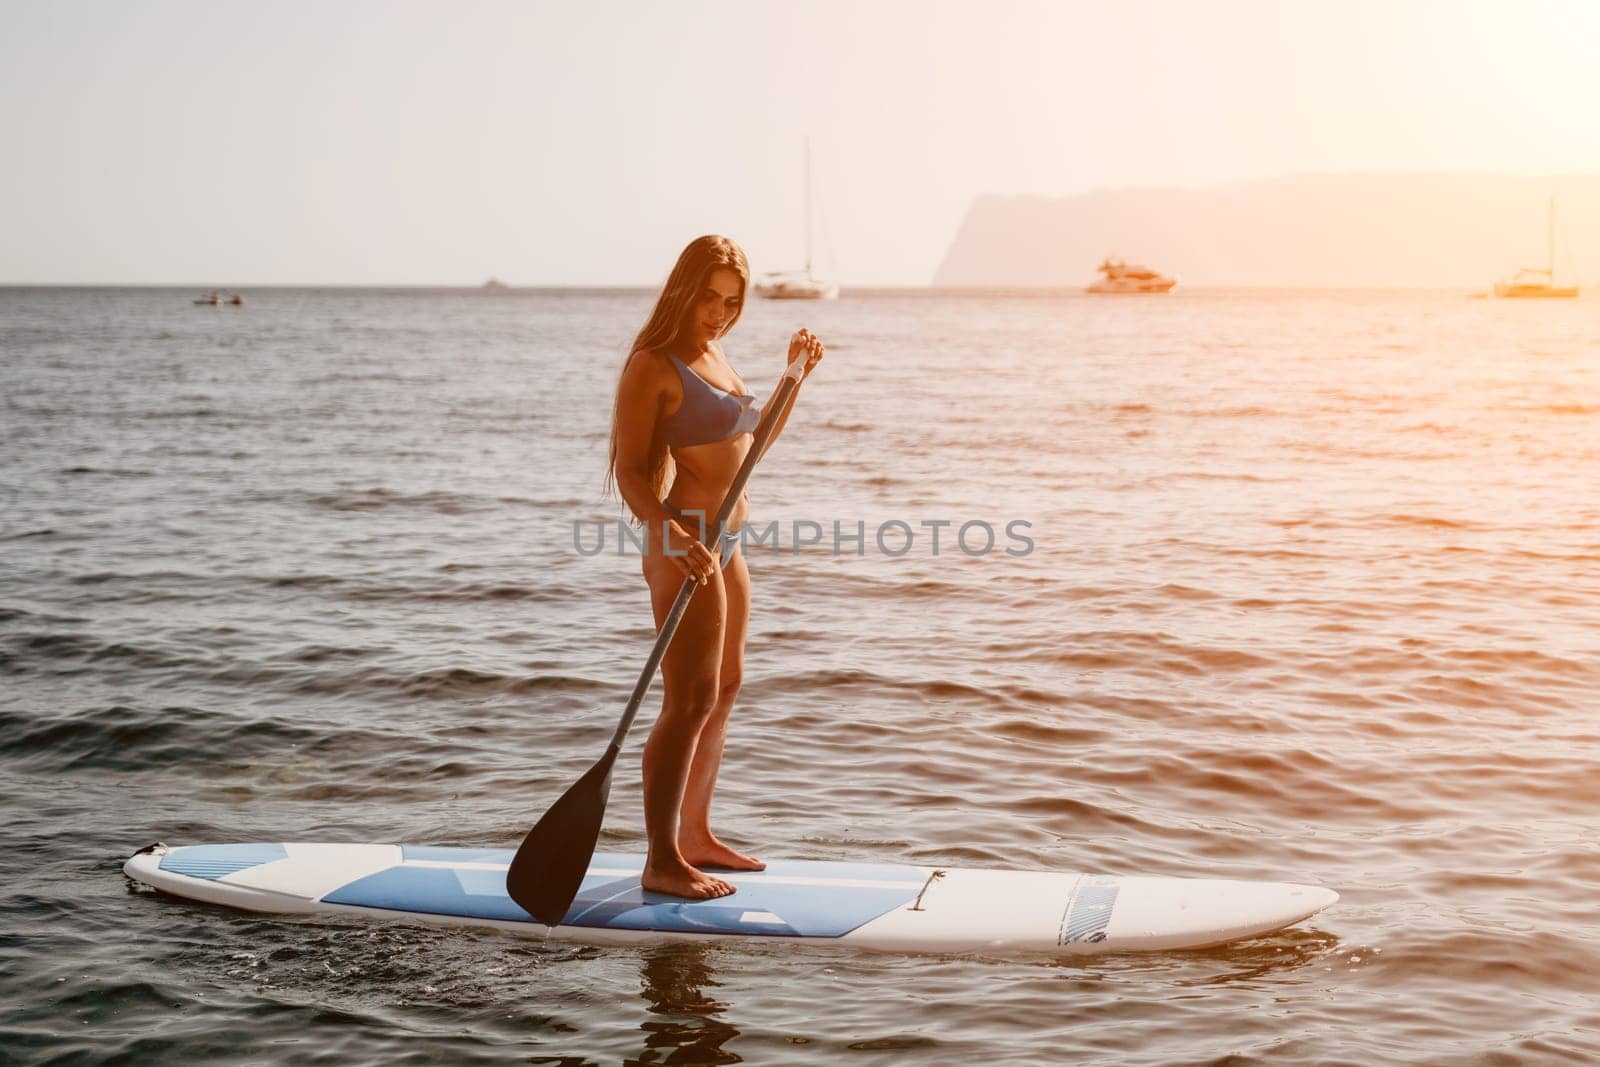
(584, 143)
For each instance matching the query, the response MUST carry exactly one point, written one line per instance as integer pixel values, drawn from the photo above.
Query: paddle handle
(790, 381)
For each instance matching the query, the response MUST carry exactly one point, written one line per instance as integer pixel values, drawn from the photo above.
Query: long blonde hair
(688, 280)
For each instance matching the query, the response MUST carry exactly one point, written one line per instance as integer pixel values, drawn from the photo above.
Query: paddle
(549, 867)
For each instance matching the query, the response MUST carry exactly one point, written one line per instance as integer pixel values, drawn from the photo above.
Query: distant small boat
(1536, 282)
(236, 300)
(1119, 276)
(208, 299)
(798, 284)
(495, 285)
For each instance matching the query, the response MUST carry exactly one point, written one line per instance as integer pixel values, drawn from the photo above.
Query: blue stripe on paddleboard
(216, 861)
(477, 894)
(619, 903)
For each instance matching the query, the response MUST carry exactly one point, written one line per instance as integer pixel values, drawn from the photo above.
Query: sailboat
(798, 284)
(1535, 281)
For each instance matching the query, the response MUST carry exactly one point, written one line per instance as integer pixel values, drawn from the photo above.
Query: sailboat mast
(808, 207)
(1552, 240)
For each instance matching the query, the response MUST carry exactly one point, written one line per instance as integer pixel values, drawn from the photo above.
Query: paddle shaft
(713, 536)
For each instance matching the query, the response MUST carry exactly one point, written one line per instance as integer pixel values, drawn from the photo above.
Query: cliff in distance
(1326, 230)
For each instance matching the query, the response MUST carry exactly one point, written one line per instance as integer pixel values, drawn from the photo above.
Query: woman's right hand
(688, 554)
(805, 345)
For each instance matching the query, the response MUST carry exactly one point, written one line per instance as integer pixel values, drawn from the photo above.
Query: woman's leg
(695, 840)
(689, 683)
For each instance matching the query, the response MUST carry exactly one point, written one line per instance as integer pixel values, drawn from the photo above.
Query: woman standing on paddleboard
(682, 426)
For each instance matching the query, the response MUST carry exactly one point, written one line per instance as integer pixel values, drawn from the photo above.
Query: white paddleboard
(892, 907)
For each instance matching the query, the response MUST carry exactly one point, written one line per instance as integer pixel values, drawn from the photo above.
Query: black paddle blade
(549, 867)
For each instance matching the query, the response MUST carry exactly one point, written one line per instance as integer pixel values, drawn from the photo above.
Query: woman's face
(716, 306)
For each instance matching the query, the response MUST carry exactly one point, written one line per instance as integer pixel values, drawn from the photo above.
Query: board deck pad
(888, 906)
(782, 901)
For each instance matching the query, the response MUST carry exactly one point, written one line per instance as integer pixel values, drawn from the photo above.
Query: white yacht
(1120, 276)
(798, 284)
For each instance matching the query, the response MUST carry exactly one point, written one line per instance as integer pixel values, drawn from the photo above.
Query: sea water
(1313, 595)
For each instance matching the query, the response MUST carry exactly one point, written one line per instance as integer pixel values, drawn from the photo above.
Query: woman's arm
(781, 416)
(639, 400)
(803, 345)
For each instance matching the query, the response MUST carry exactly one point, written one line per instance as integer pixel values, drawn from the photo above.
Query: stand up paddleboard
(891, 907)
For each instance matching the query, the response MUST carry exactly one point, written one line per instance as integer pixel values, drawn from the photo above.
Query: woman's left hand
(804, 344)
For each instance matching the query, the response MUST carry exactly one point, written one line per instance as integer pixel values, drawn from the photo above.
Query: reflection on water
(687, 1026)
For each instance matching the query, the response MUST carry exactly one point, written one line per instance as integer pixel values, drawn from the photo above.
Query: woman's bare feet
(708, 851)
(677, 879)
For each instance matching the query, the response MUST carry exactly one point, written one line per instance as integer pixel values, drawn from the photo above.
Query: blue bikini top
(707, 414)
